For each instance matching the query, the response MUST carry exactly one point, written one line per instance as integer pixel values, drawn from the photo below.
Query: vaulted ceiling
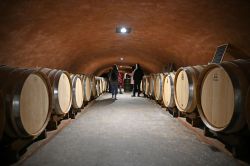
(79, 35)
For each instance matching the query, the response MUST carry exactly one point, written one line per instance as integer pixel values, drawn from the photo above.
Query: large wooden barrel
(28, 101)
(103, 85)
(2, 115)
(77, 91)
(141, 87)
(86, 88)
(158, 86)
(151, 85)
(245, 66)
(186, 80)
(222, 100)
(93, 87)
(168, 90)
(146, 81)
(61, 89)
(248, 106)
(99, 87)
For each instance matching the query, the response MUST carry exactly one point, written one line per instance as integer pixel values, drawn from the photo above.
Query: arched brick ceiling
(79, 35)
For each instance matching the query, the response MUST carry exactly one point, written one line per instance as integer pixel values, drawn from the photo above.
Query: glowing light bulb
(123, 30)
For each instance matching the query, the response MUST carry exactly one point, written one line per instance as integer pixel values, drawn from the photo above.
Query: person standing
(138, 74)
(120, 81)
(132, 78)
(113, 79)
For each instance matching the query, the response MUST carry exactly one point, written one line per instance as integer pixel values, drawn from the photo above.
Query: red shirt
(120, 78)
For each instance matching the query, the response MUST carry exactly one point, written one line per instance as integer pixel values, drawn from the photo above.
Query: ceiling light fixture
(123, 29)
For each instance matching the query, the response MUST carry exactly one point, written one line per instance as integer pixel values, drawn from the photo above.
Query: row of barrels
(220, 92)
(29, 97)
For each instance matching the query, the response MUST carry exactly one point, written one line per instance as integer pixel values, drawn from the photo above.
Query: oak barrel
(28, 101)
(146, 84)
(104, 85)
(86, 80)
(141, 87)
(168, 90)
(158, 86)
(100, 85)
(222, 100)
(2, 115)
(244, 64)
(77, 91)
(93, 87)
(61, 89)
(151, 85)
(185, 90)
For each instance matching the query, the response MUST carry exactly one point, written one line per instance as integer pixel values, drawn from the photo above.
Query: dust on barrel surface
(29, 106)
(168, 90)
(222, 97)
(77, 91)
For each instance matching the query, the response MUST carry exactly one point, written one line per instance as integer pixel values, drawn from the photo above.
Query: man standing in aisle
(138, 74)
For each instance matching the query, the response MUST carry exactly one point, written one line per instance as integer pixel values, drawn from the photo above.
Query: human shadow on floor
(105, 102)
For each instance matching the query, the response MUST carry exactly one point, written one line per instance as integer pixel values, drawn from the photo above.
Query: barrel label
(215, 77)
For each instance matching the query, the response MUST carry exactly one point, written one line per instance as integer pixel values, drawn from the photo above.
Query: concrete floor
(127, 132)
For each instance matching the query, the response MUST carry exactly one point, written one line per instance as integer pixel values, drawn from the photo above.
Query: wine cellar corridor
(124, 82)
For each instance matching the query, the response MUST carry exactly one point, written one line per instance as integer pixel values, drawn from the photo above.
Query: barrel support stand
(55, 120)
(73, 112)
(238, 143)
(160, 103)
(18, 147)
(173, 111)
(85, 103)
(194, 119)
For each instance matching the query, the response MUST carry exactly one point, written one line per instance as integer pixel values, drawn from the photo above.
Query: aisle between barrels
(127, 131)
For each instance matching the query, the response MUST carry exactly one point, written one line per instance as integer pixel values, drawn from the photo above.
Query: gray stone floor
(126, 132)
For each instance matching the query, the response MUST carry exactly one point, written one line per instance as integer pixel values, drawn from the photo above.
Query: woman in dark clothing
(113, 79)
(138, 74)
